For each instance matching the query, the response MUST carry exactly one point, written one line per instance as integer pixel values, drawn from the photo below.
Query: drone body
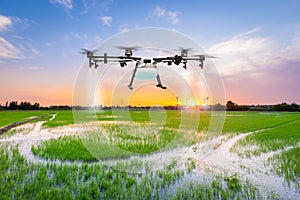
(144, 62)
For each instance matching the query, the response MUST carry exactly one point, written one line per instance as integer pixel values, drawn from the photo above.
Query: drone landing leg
(133, 75)
(159, 82)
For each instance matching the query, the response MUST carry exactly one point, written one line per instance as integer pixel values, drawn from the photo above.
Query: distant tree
(295, 107)
(218, 107)
(231, 106)
(242, 107)
(35, 106)
(25, 105)
(286, 107)
(13, 105)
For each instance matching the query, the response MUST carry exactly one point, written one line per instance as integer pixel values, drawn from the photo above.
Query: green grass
(63, 148)
(138, 137)
(23, 180)
(278, 137)
(63, 117)
(9, 117)
(241, 122)
(113, 141)
(231, 189)
(287, 164)
(142, 132)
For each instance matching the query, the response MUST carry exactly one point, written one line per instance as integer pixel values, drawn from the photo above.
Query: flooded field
(254, 157)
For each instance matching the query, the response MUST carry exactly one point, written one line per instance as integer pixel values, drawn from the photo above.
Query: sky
(257, 42)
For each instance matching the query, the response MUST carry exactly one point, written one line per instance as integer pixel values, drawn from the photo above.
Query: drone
(140, 62)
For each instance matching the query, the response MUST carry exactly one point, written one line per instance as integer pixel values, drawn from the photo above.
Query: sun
(192, 103)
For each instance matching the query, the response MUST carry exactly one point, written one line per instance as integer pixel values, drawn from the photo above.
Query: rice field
(151, 155)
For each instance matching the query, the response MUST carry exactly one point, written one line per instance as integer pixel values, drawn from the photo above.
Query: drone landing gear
(161, 86)
(159, 82)
(133, 75)
(130, 87)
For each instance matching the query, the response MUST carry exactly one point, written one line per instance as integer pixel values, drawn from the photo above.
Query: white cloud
(292, 51)
(66, 3)
(172, 16)
(72, 36)
(4, 22)
(246, 55)
(50, 44)
(158, 11)
(124, 28)
(8, 50)
(242, 53)
(106, 20)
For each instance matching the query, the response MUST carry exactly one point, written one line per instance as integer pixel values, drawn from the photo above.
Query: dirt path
(13, 125)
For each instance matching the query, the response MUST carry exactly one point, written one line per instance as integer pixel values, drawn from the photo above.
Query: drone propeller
(86, 51)
(128, 48)
(184, 51)
(205, 55)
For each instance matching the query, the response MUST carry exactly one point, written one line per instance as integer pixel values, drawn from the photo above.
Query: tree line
(25, 105)
(293, 107)
(230, 106)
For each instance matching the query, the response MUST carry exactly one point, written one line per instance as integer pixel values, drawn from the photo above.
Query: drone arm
(165, 59)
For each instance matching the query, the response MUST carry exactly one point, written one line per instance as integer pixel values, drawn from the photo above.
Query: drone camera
(147, 61)
(177, 59)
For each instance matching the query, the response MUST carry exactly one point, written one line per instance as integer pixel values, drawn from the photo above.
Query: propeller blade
(184, 49)
(206, 55)
(128, 48)
(85, 51)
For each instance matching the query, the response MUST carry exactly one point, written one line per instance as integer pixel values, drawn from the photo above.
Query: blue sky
(258, 42)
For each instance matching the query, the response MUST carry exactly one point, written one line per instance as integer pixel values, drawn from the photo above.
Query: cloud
(246, 54)
(8, 50)
(71, 36)
(4, 22)
(159, 12)
(66, 3)
(106, 20)
(173, 16)
(256, 69)
(242, 53)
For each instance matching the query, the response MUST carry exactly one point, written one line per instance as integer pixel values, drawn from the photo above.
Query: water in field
(231, 162)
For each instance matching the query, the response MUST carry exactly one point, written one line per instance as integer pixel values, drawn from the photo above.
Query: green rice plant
(24, 180)
(241, 122)
(233, 189)
(63, 148)
(63, 117)
(271, 139)
(287, 164)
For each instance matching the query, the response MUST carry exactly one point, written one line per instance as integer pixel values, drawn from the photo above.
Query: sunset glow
(258, 60)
